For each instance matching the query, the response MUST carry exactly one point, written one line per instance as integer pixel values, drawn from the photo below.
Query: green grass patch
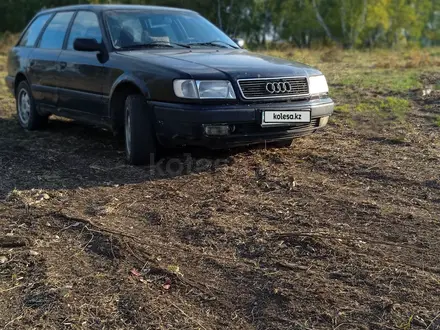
(396, 106)
(345, 108)
(393, 108)
(437, 121)
(381, 80)
(366, 107)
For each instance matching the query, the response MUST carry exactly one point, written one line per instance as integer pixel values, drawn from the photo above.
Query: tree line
(304, 23)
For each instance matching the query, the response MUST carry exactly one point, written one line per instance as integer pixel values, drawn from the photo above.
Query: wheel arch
(123, 87)
(19, 77)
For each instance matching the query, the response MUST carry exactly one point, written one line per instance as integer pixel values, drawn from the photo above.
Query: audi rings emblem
(278, 87)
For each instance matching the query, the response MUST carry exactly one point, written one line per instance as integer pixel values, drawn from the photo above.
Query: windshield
(130, 29)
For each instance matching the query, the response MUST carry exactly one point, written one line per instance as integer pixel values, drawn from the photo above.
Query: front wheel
(140, 139)
(27, 114)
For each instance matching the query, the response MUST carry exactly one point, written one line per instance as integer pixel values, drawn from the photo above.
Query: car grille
(252, 89)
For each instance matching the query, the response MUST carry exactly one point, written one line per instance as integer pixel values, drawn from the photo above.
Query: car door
(18, 59)
(43, 60)
(80, 79)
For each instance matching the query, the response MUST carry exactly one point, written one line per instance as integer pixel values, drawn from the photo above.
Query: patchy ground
(338, 232)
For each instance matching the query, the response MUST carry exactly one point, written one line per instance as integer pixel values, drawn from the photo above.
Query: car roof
(101, 8)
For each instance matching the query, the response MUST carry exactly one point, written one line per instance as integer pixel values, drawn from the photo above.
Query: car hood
(237, 64)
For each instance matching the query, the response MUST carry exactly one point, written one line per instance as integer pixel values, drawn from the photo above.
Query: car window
(86, 25)
(134, 26)
(130, 28)
(165, 30)
(30, 36)
(198, 29)
(53, 36)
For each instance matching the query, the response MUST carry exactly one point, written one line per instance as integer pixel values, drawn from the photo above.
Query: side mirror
(86, 45)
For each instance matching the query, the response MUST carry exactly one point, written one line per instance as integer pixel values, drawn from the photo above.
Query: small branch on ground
(95, 225)
(184, 314)
(13, 242)
(330, 236)
(10, 289)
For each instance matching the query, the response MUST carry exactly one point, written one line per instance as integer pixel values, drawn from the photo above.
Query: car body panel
(235, 63)
(17, 64)
(209, 64)
(43, 72)
(107, 7)
(179, 125)
(80, 82)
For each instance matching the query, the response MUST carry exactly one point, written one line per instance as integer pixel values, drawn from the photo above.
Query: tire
(27, 114)
(140, 138)
(283, 143)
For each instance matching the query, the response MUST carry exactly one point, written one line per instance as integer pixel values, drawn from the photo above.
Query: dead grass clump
(7, 40)
(417, 59)
(402, 60)
(411, 60)
(333, 55)
(388, 61)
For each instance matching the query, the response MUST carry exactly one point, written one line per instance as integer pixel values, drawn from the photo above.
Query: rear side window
(53, 36)
(86, 25)
(30, 36)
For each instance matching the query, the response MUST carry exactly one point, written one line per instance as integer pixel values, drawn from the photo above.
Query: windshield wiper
(215, 43)
(156, 43)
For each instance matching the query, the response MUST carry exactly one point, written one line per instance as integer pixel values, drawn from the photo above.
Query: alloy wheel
(128, 131)
(24, 106)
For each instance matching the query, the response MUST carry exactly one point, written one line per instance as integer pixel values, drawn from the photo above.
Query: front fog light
(323, 121)
(216, 130)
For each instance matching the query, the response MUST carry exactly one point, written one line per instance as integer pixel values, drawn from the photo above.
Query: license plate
(285, 117)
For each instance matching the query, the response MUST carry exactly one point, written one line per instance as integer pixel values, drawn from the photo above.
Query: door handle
(63, 65)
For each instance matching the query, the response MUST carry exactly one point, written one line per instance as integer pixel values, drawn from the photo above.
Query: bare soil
(340, 231)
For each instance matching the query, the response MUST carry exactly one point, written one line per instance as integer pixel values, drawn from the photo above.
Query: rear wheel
(140, 139)
(27, 114)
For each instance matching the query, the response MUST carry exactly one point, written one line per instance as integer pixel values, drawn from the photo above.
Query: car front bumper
(183, 124)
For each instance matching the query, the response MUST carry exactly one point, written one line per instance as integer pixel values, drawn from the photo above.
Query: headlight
(204, 89)
(318, 85)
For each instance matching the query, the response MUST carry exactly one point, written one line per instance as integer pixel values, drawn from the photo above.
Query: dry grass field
(340, 231)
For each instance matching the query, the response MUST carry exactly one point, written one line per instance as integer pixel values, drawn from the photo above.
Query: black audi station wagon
(162, 76)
